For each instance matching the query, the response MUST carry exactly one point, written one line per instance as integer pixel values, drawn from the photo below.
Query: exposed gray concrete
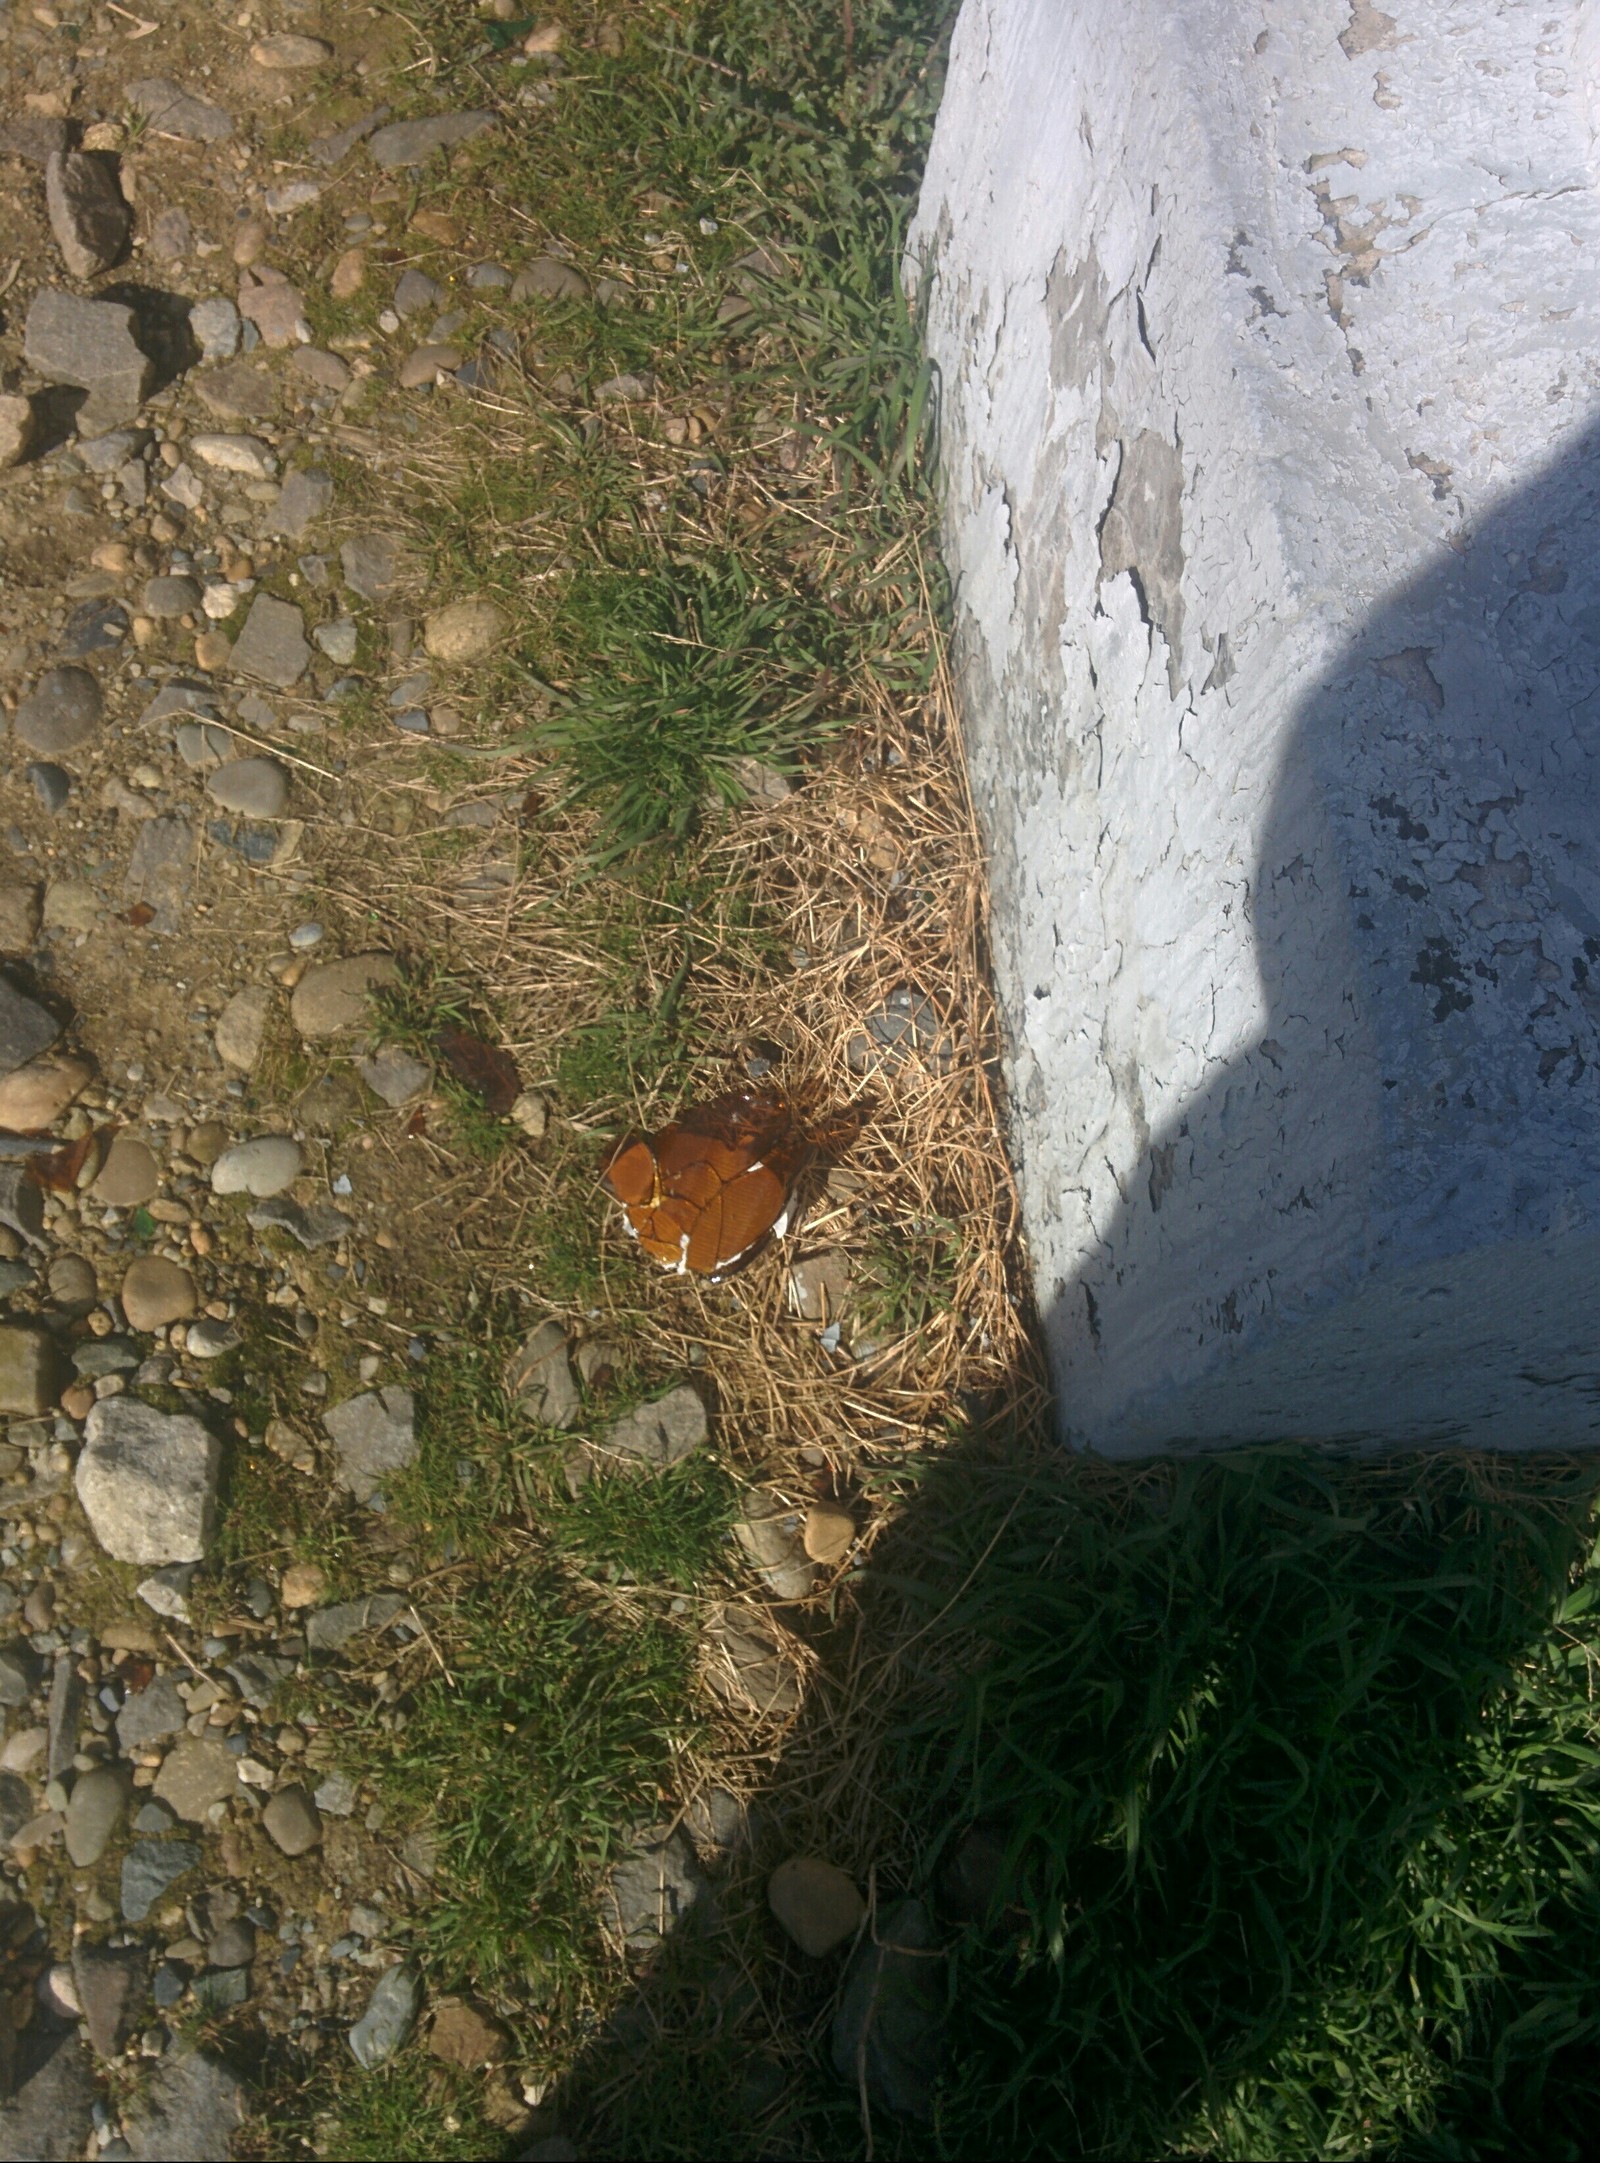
(1270, 345)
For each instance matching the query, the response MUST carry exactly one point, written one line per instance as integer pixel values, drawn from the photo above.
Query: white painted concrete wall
(1269, 333)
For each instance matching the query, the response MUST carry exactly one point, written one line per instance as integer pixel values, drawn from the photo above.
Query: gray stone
(413, 142)
(372, 1435)
(338, 640)
(60, 713)
(488, 277)
(240, 390)
(87, 215)
(272, 646)
(907, 1025)
(548, 278)
(768, 1529)
(164, 597)
(234, 1945)
(107, 1981)
(93, 627)
(258, 788)
(888, 2032)
(816, 1904)
(276, 308)
(159, 871)
(21, 1198)
(625, 390)
(19, 429)
(20, 1670)
(72, 1283)
(819, 1286)
(202, 744)
(198, 1770)
(104, 1355)
(652, 1892)
(540, 1377)
(311, 1225)
(261, 1167)
(241, 1027)
(147, 1481)
(746, 1664)
(90, 343)
(51, 784)
(329, 149)
(420, 369)
(148, 1868)
(326, 370)
(167, 1591)
(395, 1075)
(416, 292)
(189, 2110)
(16, 1806)
(171, 234)
(302, 500)
(291, 1822)
(19, 916)
(156, 1291)
(336, 1797)
(333, 998)
(375, 565)
(66, 1709)
(30, 1370)
(151, 1714)
(657, 1435)
(105, 454)
(259, 1676)
(154, 1817)
(221, 1990)
(390, 2016)
(329, 1628)
(94, 1811)
(244, 455)
(33, 137)
(210, 1339)
(49, 2119)
(182, 695)
(172, 110)
(129, 1176)
(26, 1028)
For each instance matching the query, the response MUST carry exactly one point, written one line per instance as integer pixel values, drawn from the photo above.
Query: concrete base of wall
(1270, 356)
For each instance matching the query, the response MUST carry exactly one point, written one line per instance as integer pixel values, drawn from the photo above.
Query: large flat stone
(1277, 558)
(172, 110)
(148, 1482)
(373, 1436)
(90, 343)
(272, 646)
(413, 142)
(26, 1027)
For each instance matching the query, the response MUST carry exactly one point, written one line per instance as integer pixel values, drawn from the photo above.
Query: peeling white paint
(1270, 354)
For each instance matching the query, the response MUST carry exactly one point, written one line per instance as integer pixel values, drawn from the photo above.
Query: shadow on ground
(1252, 1803)
(1248, 1805)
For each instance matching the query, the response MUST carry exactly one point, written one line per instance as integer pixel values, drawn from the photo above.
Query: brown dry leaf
(58, 1173)
(138, 916)
(490, 1073)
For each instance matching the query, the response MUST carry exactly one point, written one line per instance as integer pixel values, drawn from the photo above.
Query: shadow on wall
(1383, 1218)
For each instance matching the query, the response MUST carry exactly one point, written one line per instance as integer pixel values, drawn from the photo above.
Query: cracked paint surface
(1270, 360)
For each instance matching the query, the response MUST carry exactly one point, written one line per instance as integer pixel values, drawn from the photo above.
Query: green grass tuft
(1299, 1785)
(671, 1529)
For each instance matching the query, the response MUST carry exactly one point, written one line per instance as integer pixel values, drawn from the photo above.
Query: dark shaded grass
(1296, 1774)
